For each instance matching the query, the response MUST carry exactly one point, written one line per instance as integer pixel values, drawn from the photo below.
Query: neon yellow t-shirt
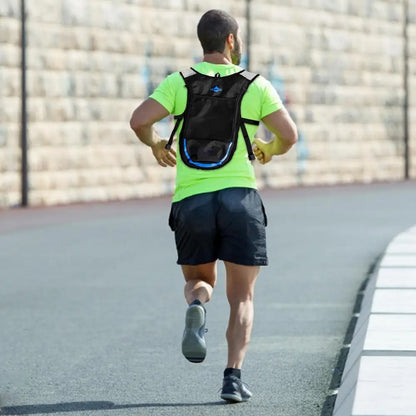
(260, 100)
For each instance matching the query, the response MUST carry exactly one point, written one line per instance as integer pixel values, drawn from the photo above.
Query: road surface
(92, 308)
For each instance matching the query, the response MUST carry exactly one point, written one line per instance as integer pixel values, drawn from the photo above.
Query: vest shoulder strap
(188, 73)
(251, 76)
(185, 75)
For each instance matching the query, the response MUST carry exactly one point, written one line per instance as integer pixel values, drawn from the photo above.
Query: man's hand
(263, 150)
(285, 136)
(164, 157)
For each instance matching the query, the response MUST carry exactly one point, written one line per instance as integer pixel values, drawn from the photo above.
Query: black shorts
(228, 225)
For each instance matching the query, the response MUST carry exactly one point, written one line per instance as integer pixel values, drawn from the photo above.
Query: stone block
(111, 16)
(9, 183)
(44, 36)
(79, 39)
(10, 56)
(43, 83)
(76, 12)
(10, 110)
(45, 11)
(3, 136)
(112, 134)
(10, 199)
(10, 160)
(10, 9)
(9, 32)
(59, 110)
(131, 86)
(10, 82)
(36, 110)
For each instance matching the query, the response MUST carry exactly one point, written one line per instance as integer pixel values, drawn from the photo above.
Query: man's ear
(230, 41)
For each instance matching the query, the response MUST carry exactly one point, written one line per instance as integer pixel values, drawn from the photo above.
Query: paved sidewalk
(379, 378)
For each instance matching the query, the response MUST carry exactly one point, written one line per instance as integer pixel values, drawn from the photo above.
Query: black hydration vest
(212, 119)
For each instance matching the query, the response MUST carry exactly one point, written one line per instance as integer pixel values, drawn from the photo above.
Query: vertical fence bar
(406, 88)
(248, 26)
(23, 127)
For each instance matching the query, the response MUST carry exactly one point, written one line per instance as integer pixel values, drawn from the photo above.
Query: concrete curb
(379, 376)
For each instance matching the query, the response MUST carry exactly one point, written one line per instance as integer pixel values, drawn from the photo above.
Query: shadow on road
(85, 406)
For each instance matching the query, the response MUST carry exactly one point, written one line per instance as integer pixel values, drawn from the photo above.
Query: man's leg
(240, 291)
(200, 281)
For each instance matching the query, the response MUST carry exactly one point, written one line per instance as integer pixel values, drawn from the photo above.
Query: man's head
(214, 30)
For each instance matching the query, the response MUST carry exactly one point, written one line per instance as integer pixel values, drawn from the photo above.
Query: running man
(217, 214)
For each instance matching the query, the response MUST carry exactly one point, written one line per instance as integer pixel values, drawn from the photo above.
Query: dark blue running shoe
(194, 347)
(234, 390)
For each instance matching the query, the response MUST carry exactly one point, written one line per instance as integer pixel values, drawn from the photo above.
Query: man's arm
(284, 129)
(142, 120)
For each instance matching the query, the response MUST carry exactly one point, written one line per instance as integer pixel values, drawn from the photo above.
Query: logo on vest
(216, 89)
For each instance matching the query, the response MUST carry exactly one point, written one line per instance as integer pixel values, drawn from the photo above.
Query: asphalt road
(92, 310)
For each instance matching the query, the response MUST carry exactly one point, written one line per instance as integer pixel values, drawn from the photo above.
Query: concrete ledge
(379, 377)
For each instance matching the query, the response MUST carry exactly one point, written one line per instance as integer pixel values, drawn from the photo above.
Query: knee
(209, 292)
(236, 298)
(201, 282)
(207, 281)
(200, 286)
(243, 312)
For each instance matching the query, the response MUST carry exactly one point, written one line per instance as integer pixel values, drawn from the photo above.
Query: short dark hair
(214, 28)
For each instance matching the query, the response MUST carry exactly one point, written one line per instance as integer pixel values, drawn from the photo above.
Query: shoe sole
(193, 345)
(234, 398)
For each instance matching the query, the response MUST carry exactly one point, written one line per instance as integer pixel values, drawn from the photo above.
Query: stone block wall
(9, 103)
(342, 67)
(339, 64)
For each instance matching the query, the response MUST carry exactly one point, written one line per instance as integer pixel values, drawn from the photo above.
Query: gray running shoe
(194, 347)
(234, 390)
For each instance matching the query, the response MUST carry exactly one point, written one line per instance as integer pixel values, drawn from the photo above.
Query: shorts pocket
(263, 210)
(264, 213)
(172, 221)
